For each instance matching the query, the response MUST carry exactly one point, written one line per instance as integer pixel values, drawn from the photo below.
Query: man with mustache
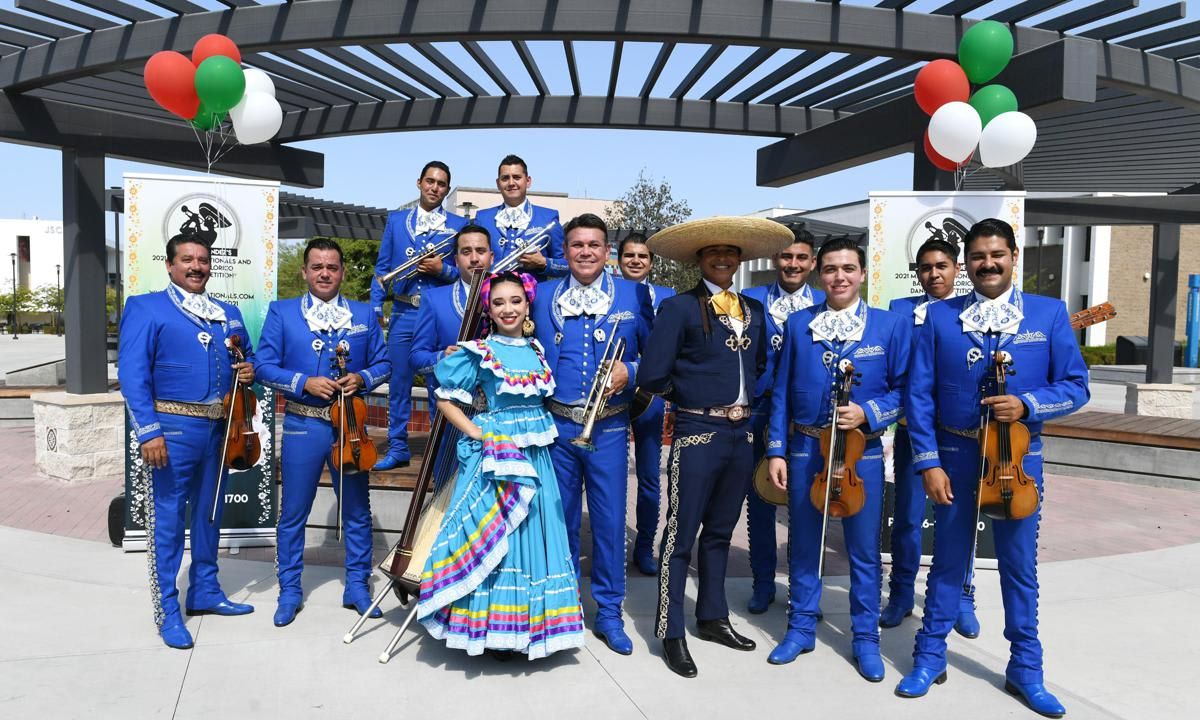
(517, 221)
(298, 357)
(408, 234)
(954, 355)
(702, 340)
(175, 370)
(576, 318)
(819, 344)
(788, 294)
(937, 268)
(636, 261)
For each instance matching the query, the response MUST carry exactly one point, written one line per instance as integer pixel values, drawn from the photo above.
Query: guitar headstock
(1093, 315)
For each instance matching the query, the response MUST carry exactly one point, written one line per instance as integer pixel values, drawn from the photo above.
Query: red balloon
(215, 44)
(940, 82)
(170, 79)
(940, 162)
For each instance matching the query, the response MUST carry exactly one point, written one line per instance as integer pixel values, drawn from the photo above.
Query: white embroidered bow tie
(327, 316)
(838, 325)
(992, 316)
(580, 300)
(513, 217)
(788, 304)
(203, 307)
(921, 310)
(430, 222)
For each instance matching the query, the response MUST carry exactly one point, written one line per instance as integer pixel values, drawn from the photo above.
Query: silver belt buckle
(216, 411)
(736, 413)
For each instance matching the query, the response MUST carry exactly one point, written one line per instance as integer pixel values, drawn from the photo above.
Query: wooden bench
(1157, 451)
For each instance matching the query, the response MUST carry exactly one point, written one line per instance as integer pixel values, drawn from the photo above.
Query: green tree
(358, 256)
(48, 298)
(649, 206)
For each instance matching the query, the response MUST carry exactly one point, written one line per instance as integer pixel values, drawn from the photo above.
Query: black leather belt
(575, 413)
(814, 431)
(209, 411)
(735, 413)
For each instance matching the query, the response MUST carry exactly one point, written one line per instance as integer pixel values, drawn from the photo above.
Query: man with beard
(174, 369)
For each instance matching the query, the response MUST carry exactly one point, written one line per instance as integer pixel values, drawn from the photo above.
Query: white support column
(1096, 270)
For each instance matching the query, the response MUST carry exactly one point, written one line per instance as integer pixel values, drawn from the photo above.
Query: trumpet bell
(584, 443)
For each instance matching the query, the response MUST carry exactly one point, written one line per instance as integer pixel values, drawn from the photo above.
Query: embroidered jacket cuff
(775, 448)
(879, 417)
(1038, 412)
(924, 461)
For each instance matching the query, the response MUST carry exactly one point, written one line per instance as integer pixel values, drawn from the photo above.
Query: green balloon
(206, 119)
(984, 51)
(992, 100)
(220, 83)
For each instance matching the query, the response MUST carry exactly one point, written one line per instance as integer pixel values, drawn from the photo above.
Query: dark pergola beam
(776, 76)
(739, 73)
(1136, 23)
(1024, 10)
(1087, 15)
(85, 261)
(374, 72)
(403, 64)
(614, 70)
(656, 68)
(702, 65)
(1164, 291)
(857, 80)
(531, 66)
(38, 27)
(443, 63)
(123, 10)
(1046, 80)
(572, 68)
(1184, 31)
(51, 123)
(815, 78)
(489, 66)
(62, 13)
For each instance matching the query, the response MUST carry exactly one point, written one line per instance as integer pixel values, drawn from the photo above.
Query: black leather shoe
(720, 631)
(677, 657)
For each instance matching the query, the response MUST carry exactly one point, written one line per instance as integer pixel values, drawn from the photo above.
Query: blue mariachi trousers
(305, 452)
(399, 345)
(1016, 557)
(760, 517)
(193, 454)
(603, 474)
(908, 515)
(711, 462)
(860, 532)
(647, 452)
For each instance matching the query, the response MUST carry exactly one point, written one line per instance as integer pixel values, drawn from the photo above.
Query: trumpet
(537, 243)
(409, 268)
(597, 400)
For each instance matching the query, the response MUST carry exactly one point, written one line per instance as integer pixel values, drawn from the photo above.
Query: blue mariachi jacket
(695, 370)
(575, 346)
(804, 373)
(504, 242)
(767, 294)
(658, 293)
(164, 355)
(949, 367)
(438, 321)
(290, 353)
(401, 244)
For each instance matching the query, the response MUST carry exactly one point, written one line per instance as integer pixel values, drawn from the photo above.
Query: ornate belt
(311, 411)
(411, 300)
(210, 411)
(814, 431)
(972, 433)
(575, 413)
(732, 414)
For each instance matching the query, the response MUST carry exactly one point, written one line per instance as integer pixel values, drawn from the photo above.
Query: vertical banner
(239, 219)
(900, 222)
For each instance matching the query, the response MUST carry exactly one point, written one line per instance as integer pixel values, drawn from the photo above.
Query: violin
(1005, 491)
(242, 446)
(353, 450)
(837, 490)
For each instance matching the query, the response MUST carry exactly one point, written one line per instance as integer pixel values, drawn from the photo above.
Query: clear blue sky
(714, 173)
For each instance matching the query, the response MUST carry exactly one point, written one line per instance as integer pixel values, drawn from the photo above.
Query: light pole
(467, 207)
(14, 302)
(58, 304)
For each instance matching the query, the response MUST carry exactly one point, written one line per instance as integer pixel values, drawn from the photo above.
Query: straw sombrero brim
(757, 237)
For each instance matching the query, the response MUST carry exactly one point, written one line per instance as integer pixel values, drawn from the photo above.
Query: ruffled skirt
(500, 575)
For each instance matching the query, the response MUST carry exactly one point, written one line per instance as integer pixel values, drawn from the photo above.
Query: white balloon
(1007, 139)
(954, 131)
(256, 118)
(258, 81)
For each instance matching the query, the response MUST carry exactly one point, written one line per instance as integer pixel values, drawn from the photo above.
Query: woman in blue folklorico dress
(500, 576)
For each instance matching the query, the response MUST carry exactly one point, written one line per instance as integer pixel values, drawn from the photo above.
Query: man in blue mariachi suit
(788, 294)
(439, 319)
(635, 260)
(517, 221)
(576, 318)
(174, 371)
(408, 234)
(937, 268)
(954, 355)
(297, 356)
(702, 340)
(817, 341)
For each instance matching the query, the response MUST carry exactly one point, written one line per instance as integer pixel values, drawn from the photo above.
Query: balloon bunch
(988, 119)
(211, 86)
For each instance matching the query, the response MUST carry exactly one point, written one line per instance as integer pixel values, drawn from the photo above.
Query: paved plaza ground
(1120, 590)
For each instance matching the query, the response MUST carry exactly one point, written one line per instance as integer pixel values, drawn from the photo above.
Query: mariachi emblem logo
(206, 217)
(948, 224)
(776, 342)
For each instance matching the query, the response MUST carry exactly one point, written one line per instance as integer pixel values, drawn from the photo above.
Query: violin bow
(833, 406)
(212, 517)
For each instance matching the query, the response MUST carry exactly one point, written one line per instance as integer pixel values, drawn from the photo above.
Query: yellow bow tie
(726, 303)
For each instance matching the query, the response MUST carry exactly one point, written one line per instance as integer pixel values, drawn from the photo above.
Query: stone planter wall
(79, 437)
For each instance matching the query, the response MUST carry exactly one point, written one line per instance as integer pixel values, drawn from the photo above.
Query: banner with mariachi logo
(899, 223)
(239, 219)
